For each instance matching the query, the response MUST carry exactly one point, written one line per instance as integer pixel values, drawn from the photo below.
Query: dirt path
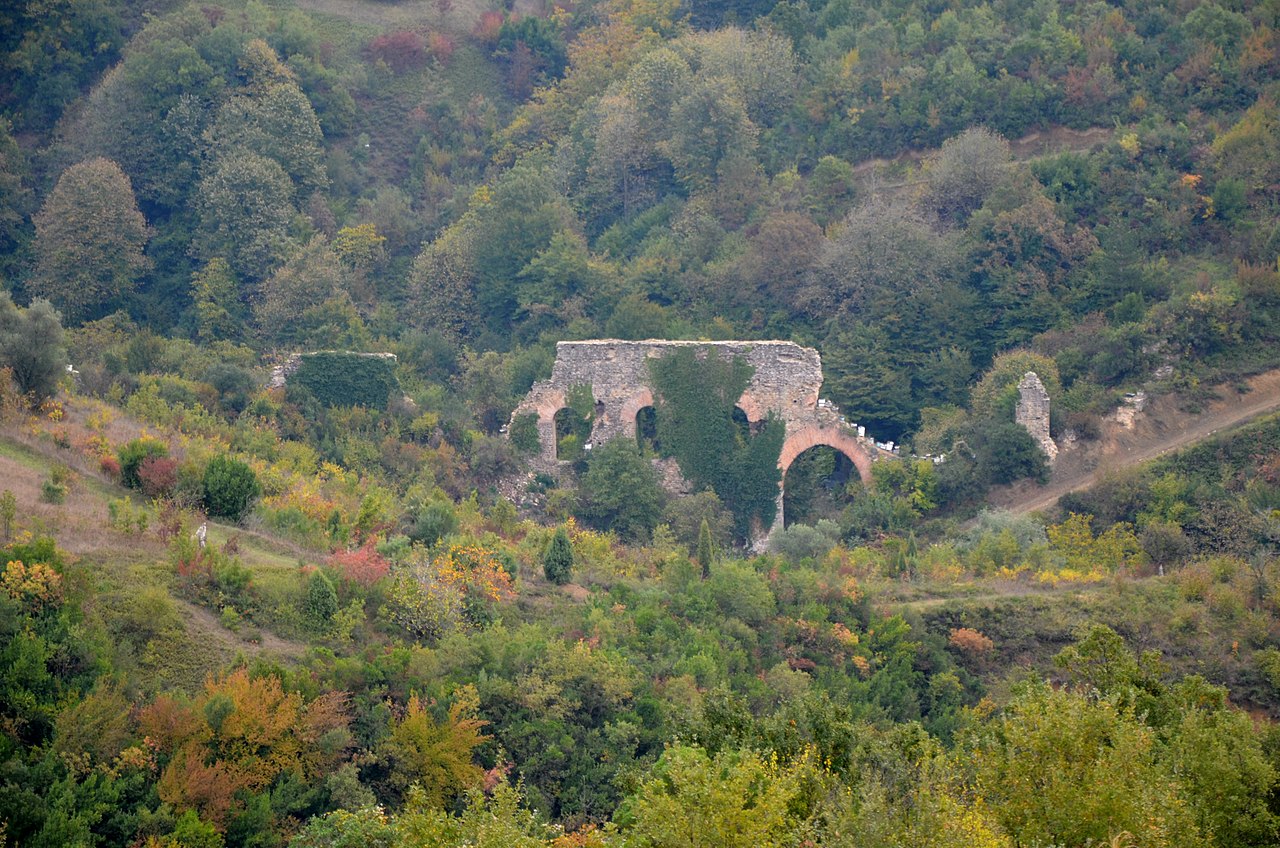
(204, 624)
(1167, 429)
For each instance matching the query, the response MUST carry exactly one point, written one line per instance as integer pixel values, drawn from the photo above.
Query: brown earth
(1165, 425)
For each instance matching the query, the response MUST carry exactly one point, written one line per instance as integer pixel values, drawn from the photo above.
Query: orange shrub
(971, 641)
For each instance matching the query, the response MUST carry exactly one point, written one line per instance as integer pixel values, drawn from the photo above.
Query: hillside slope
(1165, 425)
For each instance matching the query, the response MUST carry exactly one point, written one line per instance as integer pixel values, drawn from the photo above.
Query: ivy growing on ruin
(343, 378)
(695, 395)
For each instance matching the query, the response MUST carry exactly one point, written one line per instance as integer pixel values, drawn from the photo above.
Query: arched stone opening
(572, 433)
(815, 486)
(806, 437)
(646, 422)
(799, 441)
(743, 422)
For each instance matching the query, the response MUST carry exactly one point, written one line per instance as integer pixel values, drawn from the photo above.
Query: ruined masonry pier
(785, 382)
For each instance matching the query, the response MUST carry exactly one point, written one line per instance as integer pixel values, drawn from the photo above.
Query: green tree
(965, 171)
(830, 189)
(89, 240)
(31, 346)
(215, 295)
(322, 600)
(557, 561)
(706, 549)
(63, 45)
(494, 820)
(366, 827)
(245, 207)
(290, 298)
(230, 487)
(620, 490)
(435, 521)
(274, 121)
(881, 248)
(1061, 767)
(709, 125)
(737, 799)
(15, 198)
(996, 394)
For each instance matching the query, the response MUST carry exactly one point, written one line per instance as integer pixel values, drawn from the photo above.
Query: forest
(353, 608)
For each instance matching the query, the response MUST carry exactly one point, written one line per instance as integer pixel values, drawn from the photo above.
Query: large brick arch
(631, 408)
(800, 440)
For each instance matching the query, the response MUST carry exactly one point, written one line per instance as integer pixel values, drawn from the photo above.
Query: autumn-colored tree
(433, 596)
(89, 240)
(437, 756)
(240, 734)
(363, 566)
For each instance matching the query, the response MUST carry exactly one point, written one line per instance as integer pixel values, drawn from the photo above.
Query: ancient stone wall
(785, 381)
(1033, 413)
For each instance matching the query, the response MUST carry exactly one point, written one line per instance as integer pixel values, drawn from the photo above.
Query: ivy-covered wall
(696, 391)
(344, 378)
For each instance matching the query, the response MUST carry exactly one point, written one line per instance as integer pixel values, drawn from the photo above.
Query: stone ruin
(785, 382)
(282, 371)
(1033, 413)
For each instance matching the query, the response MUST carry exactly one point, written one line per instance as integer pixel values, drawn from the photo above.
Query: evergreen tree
(322, 600)
(557, 563)
(706, 549)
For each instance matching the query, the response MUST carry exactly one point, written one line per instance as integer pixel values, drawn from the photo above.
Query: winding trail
(1176, 430)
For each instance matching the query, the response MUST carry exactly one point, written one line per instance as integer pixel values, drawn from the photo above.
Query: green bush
(322, 600)
(435, 521)
(557, 562)
(524, 432)
(133, 454)
(230, 487)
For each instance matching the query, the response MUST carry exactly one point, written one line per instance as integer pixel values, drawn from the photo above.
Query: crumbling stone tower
(1033, 413)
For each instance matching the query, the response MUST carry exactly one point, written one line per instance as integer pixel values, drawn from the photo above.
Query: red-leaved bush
(157, 475)
(363, 566)
(401, 51)
(440, 46)
(110, 466)
(488, 27)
